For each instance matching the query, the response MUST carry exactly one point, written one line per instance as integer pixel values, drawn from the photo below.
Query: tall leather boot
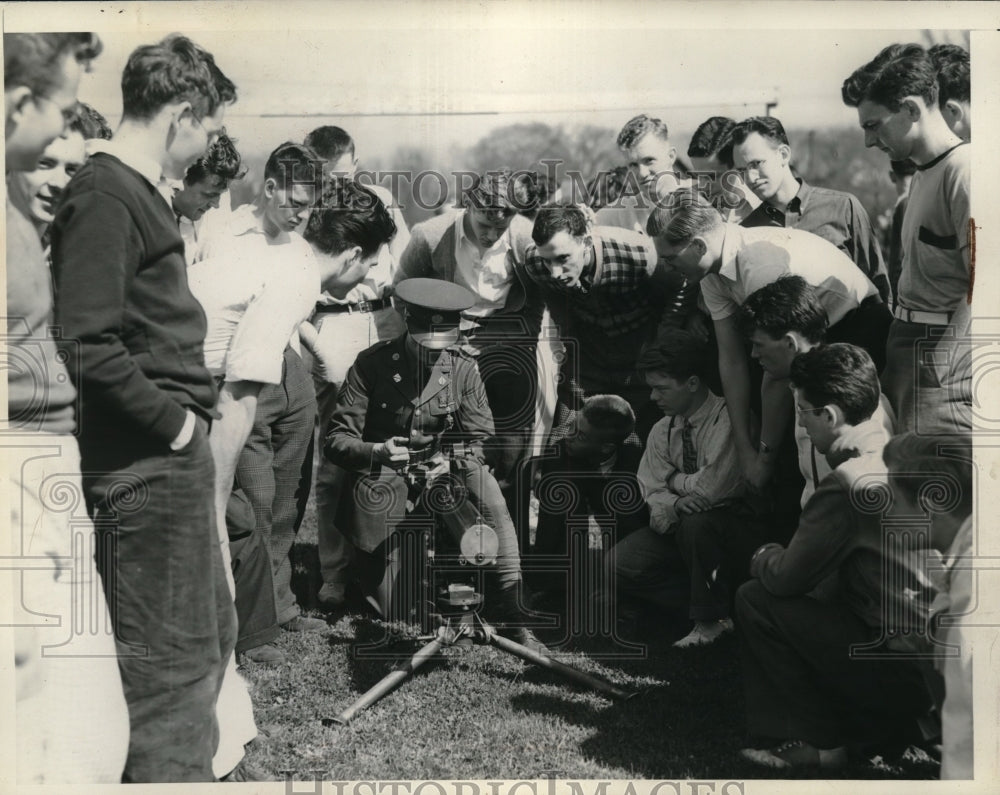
(508, 614)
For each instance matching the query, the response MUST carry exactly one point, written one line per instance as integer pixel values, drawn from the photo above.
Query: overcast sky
(501, 63)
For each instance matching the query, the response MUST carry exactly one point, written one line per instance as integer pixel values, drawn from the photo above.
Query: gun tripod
(461, 625)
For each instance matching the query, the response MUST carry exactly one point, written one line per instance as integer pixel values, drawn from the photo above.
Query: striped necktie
(690, 456)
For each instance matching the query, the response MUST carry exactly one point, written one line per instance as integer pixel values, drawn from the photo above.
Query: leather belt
(358, 306)
(928, 318)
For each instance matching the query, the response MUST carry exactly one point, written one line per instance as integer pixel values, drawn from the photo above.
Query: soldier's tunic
(389, 392)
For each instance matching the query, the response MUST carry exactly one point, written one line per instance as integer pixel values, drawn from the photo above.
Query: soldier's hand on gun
(393, 452)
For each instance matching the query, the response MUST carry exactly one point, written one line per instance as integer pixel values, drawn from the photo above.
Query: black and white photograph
(500, 398)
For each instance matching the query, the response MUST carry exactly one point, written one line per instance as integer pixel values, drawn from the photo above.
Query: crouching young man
(821, 622)
(689, 476)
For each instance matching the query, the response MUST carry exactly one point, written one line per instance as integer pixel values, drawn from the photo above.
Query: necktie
(690, 456)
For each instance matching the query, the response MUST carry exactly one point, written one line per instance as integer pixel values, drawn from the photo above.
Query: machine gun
(434, 483)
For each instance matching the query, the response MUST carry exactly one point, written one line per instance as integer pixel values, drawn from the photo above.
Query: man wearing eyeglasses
(822, 622)
(147, 400)
(763, 156)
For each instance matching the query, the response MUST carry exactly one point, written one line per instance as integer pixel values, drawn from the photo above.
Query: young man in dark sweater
(146, 405)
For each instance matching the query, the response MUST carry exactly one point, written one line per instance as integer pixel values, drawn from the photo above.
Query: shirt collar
(866, 438)
(705, 410)
(732, 242)
(245, 219)
(801, 198)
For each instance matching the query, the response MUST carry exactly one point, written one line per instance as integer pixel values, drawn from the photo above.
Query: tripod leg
(395, 678)
(581, 677)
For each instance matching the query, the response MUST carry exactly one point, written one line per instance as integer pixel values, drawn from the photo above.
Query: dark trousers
(335, 550)
(170, 605)
(275, 470)
(510, 376)
(647, 566)
(694, 568)
(866, 327)
(802, 682)
(716, 547)
(258, 621)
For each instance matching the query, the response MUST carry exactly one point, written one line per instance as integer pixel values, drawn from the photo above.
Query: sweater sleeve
(96, 253)
(824, 538)
(416, 258)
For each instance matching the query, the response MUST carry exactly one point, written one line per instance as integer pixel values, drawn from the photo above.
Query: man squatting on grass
(179, 381)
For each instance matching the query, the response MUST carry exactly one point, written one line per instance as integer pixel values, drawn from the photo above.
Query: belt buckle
(364, 306)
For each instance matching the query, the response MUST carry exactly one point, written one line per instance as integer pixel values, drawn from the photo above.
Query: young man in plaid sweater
(607, 297)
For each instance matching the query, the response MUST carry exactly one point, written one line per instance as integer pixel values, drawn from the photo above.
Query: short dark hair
(562, 218)
(679, 354)
(952, 64)
(788, 304)
(174, 70)
(222, 160)
(638, 127)
(605, 188)
(840, 374)
(899, 71)
(930, 475)
(90, 123)
(330, 142)
(536, 189)
(611, 412)
(765, 126)
(304, 164)
(31, 59)
(349, 215)
(689, 215)
(713, 138)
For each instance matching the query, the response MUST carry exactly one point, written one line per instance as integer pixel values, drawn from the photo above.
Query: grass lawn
(478, 713)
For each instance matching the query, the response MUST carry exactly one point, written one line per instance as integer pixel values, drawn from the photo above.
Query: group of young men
(738, 376)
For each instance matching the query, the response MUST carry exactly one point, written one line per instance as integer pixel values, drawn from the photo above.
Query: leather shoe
(304, 624)
(265, 654)
(331, 596)
(797, 754)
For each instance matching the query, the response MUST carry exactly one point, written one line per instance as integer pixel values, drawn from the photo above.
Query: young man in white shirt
(730, 263)
(267, 400)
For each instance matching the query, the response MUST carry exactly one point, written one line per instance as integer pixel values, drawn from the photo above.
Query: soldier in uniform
(402, 400)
